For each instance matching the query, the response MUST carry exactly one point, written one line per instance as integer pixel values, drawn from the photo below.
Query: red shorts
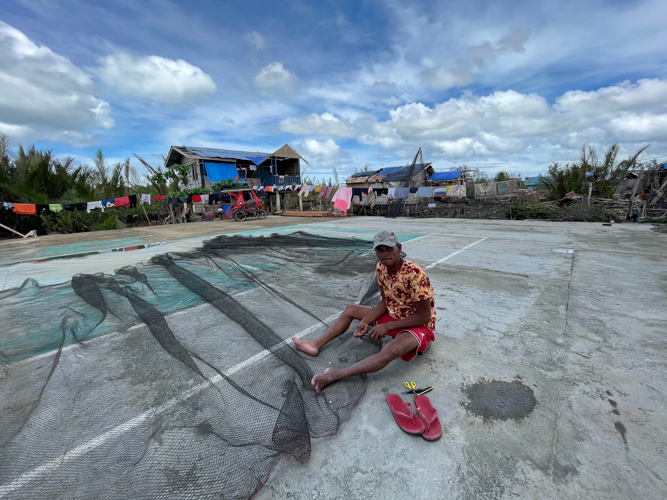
(421, 333)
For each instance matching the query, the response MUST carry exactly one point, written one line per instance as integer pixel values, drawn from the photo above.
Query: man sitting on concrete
(406, 312)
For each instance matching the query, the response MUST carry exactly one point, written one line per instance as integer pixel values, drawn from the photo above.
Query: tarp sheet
(446, 176)
(221, 171)
(401, 173)
(255, 158)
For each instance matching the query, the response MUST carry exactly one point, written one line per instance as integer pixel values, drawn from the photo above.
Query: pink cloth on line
(343, 199)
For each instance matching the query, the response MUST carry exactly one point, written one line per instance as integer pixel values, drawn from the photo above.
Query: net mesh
(173, 378)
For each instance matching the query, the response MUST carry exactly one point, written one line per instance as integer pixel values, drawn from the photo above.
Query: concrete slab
(584, 331)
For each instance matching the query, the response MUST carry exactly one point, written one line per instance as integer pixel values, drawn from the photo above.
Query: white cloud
(44, 95)
(274, 78)
(324, 156)
(156, 78)
(325, 124)
(478, 57)
(321, 149)
(255, 40)
(508, 122)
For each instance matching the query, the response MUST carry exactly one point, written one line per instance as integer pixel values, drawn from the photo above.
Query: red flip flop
(402, 412)
(429, 418)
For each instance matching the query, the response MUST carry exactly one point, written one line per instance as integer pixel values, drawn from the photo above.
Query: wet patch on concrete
(498, 400)
(621, 430)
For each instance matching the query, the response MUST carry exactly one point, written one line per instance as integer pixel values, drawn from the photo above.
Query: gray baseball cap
(386, 238)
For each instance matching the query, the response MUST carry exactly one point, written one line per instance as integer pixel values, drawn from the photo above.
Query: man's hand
(361, 329)
(380, 331)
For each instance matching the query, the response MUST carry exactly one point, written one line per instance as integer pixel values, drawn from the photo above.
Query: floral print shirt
(401, 290)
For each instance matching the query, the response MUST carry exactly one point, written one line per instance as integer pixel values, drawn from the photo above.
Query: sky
(500, 85)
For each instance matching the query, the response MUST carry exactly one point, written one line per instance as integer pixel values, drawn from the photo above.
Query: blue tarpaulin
(221, 171)
(446, 176)
(256, 158)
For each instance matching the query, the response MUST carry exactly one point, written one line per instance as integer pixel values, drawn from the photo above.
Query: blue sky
(500, 85)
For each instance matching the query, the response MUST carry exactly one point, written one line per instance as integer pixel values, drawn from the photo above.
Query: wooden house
(209, 165)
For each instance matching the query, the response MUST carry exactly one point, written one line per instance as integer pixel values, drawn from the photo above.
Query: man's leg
(403, 343)
(338, 327)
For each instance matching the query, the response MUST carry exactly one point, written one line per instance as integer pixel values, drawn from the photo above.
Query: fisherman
(406, 313)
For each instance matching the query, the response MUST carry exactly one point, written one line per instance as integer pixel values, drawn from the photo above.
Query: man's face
(388, 256)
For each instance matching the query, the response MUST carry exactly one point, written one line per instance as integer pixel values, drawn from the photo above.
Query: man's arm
(377, 312)
(421, 317)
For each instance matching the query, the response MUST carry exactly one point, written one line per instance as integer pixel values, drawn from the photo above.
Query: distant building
(210, 165)
(448, 178)
(391, 177)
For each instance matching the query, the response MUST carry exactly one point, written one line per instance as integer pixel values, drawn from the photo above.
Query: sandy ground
(549, 367)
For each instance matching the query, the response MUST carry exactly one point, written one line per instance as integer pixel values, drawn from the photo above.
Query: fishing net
(174, 378)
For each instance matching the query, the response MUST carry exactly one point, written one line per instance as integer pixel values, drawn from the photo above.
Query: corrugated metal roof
(380, 175)
(255, 158)
(401, 173)
(446, 176)
(359, 177)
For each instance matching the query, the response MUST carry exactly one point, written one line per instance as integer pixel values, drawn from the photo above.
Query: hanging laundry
(458, 191)
(204, 198)
(25, 209)
(55, 207)
(181, 199)
(343, 199)
(133, 200)
(159, 197)
(81, 206)
(485, 190)
(331, 194)
(123, 201)
(305, 190)
(146, 198)
(413, 189)
(106, 203)
(402, 193)
(323, 192)
(70, 207)
(42, 209)
(381, 191)
(7, 205)
(440, 191)
(425, 192)
(167, 201)
(189, 199)
(318, 189)
(391, 192)
(92, 205)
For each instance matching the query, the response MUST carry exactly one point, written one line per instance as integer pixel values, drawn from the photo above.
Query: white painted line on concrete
(81, 450)
(454, 254)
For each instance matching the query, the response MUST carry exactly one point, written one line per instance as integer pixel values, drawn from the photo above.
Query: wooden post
(640, 178)
(147, 219)
(300, 203)
(277, 201)
(10, 229)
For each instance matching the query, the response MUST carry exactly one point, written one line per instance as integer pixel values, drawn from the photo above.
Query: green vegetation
(36, 176)
(606, 173)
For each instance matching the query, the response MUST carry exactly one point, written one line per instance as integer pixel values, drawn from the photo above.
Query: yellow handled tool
(410, 385)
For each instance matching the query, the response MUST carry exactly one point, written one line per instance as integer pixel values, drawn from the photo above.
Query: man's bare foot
(307, 346)
(320, 381)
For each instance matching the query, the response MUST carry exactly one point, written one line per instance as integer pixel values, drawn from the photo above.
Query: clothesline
(341, 195)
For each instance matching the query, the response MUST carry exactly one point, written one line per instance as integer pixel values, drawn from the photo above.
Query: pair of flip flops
(424, 424)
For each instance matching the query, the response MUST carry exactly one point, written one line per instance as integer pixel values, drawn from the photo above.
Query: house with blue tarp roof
(392, 176)
(210, 165)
